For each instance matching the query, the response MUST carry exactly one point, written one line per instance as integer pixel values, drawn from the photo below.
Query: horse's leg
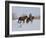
(23, 21)
(18, 21)
(31, 20)
(27, 20)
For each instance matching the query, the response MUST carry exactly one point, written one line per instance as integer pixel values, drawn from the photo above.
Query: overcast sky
(35, 11)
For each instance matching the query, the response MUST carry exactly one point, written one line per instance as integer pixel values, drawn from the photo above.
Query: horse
(30, 19)
(23, 18)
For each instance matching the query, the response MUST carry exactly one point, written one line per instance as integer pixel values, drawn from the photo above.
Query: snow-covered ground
(35, 25)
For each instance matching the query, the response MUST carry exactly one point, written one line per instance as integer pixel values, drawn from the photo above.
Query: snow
(35, 25)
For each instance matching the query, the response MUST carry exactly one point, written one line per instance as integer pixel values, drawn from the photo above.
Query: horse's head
(25, 16)
(32, 17)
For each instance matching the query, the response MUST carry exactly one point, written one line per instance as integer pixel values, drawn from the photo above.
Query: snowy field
(35, 25)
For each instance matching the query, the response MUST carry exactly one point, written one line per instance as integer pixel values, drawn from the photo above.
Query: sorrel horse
(23, 18)
(29, 19)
